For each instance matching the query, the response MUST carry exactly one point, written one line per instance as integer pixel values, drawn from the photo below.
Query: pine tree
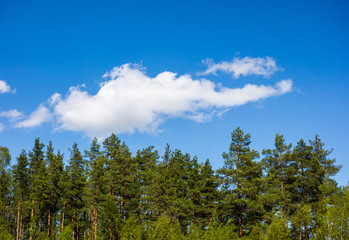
(276, 164)
(5, 190)
(21, 186)
(75, 192)
(38, 189)
(146, 177)
(241, 177)
(97, 184)
(176, 202)
(209, 195)
(322, 170)
(55, 173)
(122, 183)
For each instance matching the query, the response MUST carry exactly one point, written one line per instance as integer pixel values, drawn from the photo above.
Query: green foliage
(66, 234)
(132, 230)
(276, 165)
(194, 232)
(242, 183)
(166, 229)
(4, 234)
(301, 221)
(112, 194)
(278, 229)
(5, 186)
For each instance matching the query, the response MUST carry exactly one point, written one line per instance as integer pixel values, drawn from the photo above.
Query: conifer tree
(146, 178)
(209, 195)
(276, 164)
(21, 188)
(97, 184)
(76, 185)
(322, 170)
(122, 187)
(176, 202)
(55, 174)
(38, 189)
(241, 176)
(5, 189)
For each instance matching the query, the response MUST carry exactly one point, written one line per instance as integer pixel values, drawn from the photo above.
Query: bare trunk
(239, 187)
(21, 226)
(240, 225)
(63, 217)
(121, 206)
(96, 223)
(31, 218)
(77, 227)
(49, 223)
(110, 233)
(18, 219)
(53, 232)
(73, 226)
(306, 231)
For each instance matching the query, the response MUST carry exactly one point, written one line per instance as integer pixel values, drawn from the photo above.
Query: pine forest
(107, 192)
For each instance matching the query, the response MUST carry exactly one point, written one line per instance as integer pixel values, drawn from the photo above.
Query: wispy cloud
(40, 115)
(129, 101)
(4, 87)
(242, 67)
(13, 115)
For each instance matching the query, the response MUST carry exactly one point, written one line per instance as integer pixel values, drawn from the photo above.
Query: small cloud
(242, 67)
(2, 127)
(39, 116)
(5, 88)
(54, 99)
(13, 115)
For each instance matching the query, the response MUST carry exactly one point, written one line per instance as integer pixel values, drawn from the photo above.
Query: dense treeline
(109, 193)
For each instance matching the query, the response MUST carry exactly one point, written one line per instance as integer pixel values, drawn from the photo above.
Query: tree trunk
(18, 219)
(96, 224)
(240, 225)
(31, 223)
(77, 227)
(21, 226)
(73, 226)
(121, 206)
(110, 233)
(53, 232)
(49, 223)
(63, 217)
(306, 232)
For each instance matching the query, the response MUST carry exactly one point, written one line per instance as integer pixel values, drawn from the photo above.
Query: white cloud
(243, 67)
(4, 87)
(13, 115)
(2, 127)
(132, 101)
(39, 116)
(54, 99)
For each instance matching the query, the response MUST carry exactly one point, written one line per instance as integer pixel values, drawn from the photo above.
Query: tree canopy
(106, 192)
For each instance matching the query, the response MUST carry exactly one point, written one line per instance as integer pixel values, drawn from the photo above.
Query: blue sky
(178, 72)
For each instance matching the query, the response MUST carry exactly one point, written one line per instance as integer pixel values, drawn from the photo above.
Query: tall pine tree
(242, 176)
